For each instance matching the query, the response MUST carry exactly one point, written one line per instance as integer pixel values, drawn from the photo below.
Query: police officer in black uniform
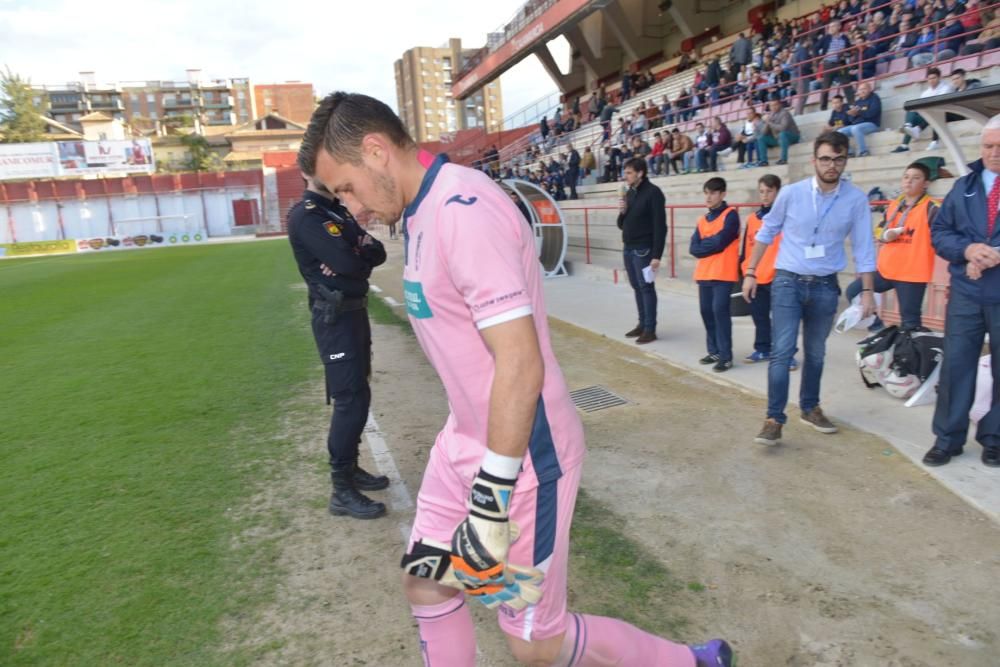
(336, 257)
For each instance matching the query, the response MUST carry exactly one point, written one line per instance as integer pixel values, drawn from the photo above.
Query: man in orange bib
(906, 256)
(760, 307)
(715, 243)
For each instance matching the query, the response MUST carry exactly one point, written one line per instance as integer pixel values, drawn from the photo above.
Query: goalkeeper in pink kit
(496, 502)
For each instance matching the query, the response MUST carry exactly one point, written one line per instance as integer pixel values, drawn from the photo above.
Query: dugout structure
(547, 225)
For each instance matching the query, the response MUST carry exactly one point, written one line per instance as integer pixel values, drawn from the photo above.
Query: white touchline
(399, 495)
(392, 302)
(375, 288)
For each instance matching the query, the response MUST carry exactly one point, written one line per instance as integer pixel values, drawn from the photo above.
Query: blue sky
(334, 45)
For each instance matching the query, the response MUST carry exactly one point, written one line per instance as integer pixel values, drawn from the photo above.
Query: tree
(202, 156)
(20, 122)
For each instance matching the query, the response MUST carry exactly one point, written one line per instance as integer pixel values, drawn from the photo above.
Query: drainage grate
(592, 399)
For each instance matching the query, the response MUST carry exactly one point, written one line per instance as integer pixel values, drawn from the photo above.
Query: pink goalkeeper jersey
(471, 263)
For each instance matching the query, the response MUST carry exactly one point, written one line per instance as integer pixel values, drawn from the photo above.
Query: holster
(334, 303)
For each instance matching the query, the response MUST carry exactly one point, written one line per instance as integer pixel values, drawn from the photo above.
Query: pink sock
(595, 641)
(447, 636)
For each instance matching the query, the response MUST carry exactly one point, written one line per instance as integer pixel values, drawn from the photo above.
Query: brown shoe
(818, 421)
(770, 434)
(634, 333)
(646, 337)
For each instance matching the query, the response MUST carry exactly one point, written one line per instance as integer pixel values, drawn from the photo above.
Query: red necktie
(992, 204)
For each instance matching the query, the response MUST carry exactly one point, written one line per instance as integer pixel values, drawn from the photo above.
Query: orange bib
(724, 265)
(910, 258)
(765, 269)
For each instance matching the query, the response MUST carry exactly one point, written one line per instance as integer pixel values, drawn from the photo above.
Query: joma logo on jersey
(457, 199)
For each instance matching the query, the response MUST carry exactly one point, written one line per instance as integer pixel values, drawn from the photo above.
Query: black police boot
(347, 500)
(365, 481)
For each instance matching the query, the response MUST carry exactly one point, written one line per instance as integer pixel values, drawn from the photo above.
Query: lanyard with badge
(813, 251)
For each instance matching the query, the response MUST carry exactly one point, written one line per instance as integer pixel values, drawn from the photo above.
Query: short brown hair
(339, 124)
(835, 140)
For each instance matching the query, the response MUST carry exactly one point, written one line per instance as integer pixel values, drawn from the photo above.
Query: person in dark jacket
(573, 172)
(866, 117)
(966, 232)
(643, 221)
(714, 243)
(335, 257)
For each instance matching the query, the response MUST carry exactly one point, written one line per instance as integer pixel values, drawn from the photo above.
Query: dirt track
(829, 550)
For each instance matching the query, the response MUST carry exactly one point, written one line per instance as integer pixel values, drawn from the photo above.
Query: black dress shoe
(991, 456)
(937, 457)
(634, 333)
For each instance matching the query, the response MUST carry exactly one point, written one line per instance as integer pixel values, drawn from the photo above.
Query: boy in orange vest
(760, 307)
(715, 243)
(905, 256)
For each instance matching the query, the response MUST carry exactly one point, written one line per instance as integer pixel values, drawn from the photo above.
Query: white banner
(28, 161)
(75, 158)
(88, 157)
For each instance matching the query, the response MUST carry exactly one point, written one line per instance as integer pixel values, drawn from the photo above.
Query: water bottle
(622, 191)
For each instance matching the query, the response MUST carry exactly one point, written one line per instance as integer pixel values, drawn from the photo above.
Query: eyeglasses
(826, 161)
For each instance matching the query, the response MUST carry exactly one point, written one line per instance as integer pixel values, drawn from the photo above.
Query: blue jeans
(785, 139)
(811, 300)
(965, 325)
(645, 293)
(713, 297)
(859, 132)
(909, 295)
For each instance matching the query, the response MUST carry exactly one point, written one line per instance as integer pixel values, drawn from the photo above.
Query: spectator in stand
(903, 41)
(656, 160)
(778, 81)
(988, 39)
(740, 55)
(612, 163)
(923, 50)
(593, 106)
(914, 123)
(803, 72)
(640, 149)
(722, 139)
(713, 72)
(960, 83)
(905, 256)
(573, 172)
(622, 134)
(666, 112)
(876, 40)
(702, 142)
(972, 18)
(626, 86)
(543, 127)
(964, 234)
(838, 117)
(835, 48)
(680, 146)
(606, 113)
(639, 121)
(746, 140)
(866, 117)
(951, 36)
(588, 162)
(715, 242)
(779, 129)
(683, 105)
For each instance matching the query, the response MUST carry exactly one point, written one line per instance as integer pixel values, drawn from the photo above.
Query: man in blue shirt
(966, 232)
(866, 117)
(814, 216)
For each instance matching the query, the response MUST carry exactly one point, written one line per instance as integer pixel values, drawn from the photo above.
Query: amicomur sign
(75, 158)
